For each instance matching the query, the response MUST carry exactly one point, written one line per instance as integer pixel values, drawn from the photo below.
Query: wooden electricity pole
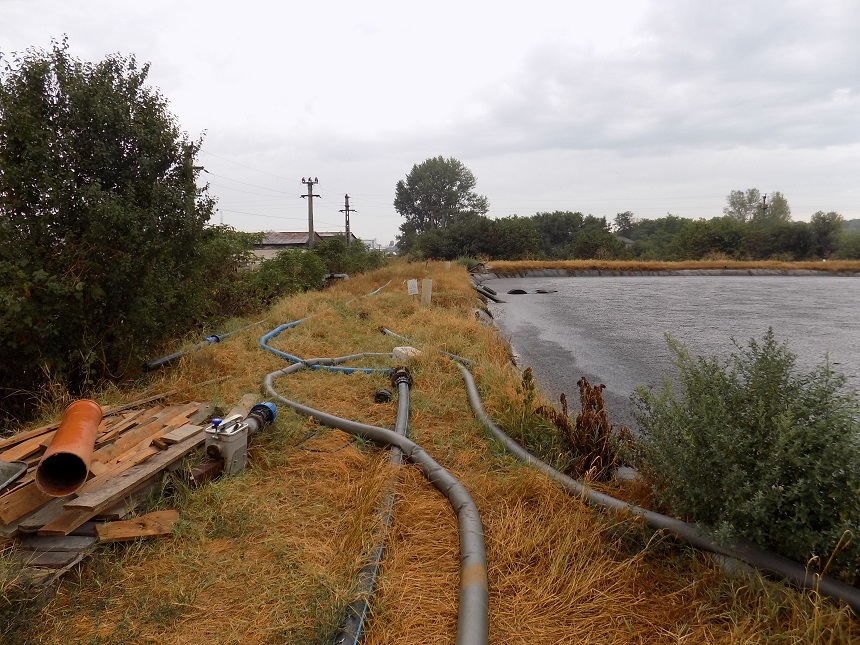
(347, 210)
(310, 184)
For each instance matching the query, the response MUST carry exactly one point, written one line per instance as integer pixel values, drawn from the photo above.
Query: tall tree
(751, 206)
(826, 231)
(624, 223)
(436, 194)
(100, 217)
(742, 205)
(774, 209)
(557, 231)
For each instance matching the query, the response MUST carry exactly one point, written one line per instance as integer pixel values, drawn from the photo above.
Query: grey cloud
(773, 75)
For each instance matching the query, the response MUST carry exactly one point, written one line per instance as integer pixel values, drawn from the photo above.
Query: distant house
(327, 235)
(277, 241)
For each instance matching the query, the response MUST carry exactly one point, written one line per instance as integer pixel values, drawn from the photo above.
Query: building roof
(330, 234)
(287, 238)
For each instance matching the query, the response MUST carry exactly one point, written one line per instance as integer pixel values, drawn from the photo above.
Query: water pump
(227, 439)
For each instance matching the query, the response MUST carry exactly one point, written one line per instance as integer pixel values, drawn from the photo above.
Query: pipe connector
(260, 416)
(383, 395)
(401, 375)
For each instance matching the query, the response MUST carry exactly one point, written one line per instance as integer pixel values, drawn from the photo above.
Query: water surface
(611, 329)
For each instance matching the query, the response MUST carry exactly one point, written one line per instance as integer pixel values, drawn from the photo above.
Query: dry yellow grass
(269, 556)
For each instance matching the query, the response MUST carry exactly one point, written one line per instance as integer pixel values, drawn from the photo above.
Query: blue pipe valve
(260, 416)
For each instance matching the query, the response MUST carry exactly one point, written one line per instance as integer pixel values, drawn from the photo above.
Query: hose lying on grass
(766, 561)
(753, 555)
(472, 617)
(473, 612)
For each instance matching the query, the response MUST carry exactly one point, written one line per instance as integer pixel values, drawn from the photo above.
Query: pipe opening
(61, 474)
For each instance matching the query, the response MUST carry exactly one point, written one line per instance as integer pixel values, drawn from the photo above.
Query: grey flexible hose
(472, 617)
(748, 552)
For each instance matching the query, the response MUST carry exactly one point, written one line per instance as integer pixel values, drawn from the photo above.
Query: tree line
(445, 218)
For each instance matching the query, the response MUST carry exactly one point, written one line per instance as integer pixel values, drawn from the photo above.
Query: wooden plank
(22, 501)
(132, 437)
(120, 486)
(137, 453)
(125, 507)
(115, 468)
(244, 406)
(155, 524)
(181, 433)
(67, 522)
(201, 415)
(27, 448)
(73, 543)
(32, 522)
(48, 559)
(173, 415)
(141, 417)
(24, 436)
(87, 528)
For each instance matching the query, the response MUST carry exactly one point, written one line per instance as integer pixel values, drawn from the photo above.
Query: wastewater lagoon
(611, 330)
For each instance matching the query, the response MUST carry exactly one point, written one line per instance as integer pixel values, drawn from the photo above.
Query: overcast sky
(649, 106)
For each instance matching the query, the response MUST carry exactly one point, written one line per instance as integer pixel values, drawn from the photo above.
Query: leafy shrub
(101, 221)
(849, 246)
(288, 272)
(755, 449)
(355, 258)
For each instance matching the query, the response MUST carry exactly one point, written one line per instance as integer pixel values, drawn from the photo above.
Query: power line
(245, 183)
(230, 210)
(243, 165)
(239, 190)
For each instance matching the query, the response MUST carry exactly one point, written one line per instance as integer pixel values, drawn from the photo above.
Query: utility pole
(310, 184)
(763, 206)
(347, 210)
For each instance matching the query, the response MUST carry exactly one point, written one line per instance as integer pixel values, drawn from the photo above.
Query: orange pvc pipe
(64, 467)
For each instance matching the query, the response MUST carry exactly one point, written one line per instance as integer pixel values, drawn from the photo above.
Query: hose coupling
(401, 375)
(382, 395)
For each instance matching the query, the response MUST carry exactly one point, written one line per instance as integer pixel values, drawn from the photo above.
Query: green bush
(355, 258)
(101, 221)
(754, 448)
(288, 272)
(849, 246)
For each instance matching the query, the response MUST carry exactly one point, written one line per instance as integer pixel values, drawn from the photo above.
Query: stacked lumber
(133, 448)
